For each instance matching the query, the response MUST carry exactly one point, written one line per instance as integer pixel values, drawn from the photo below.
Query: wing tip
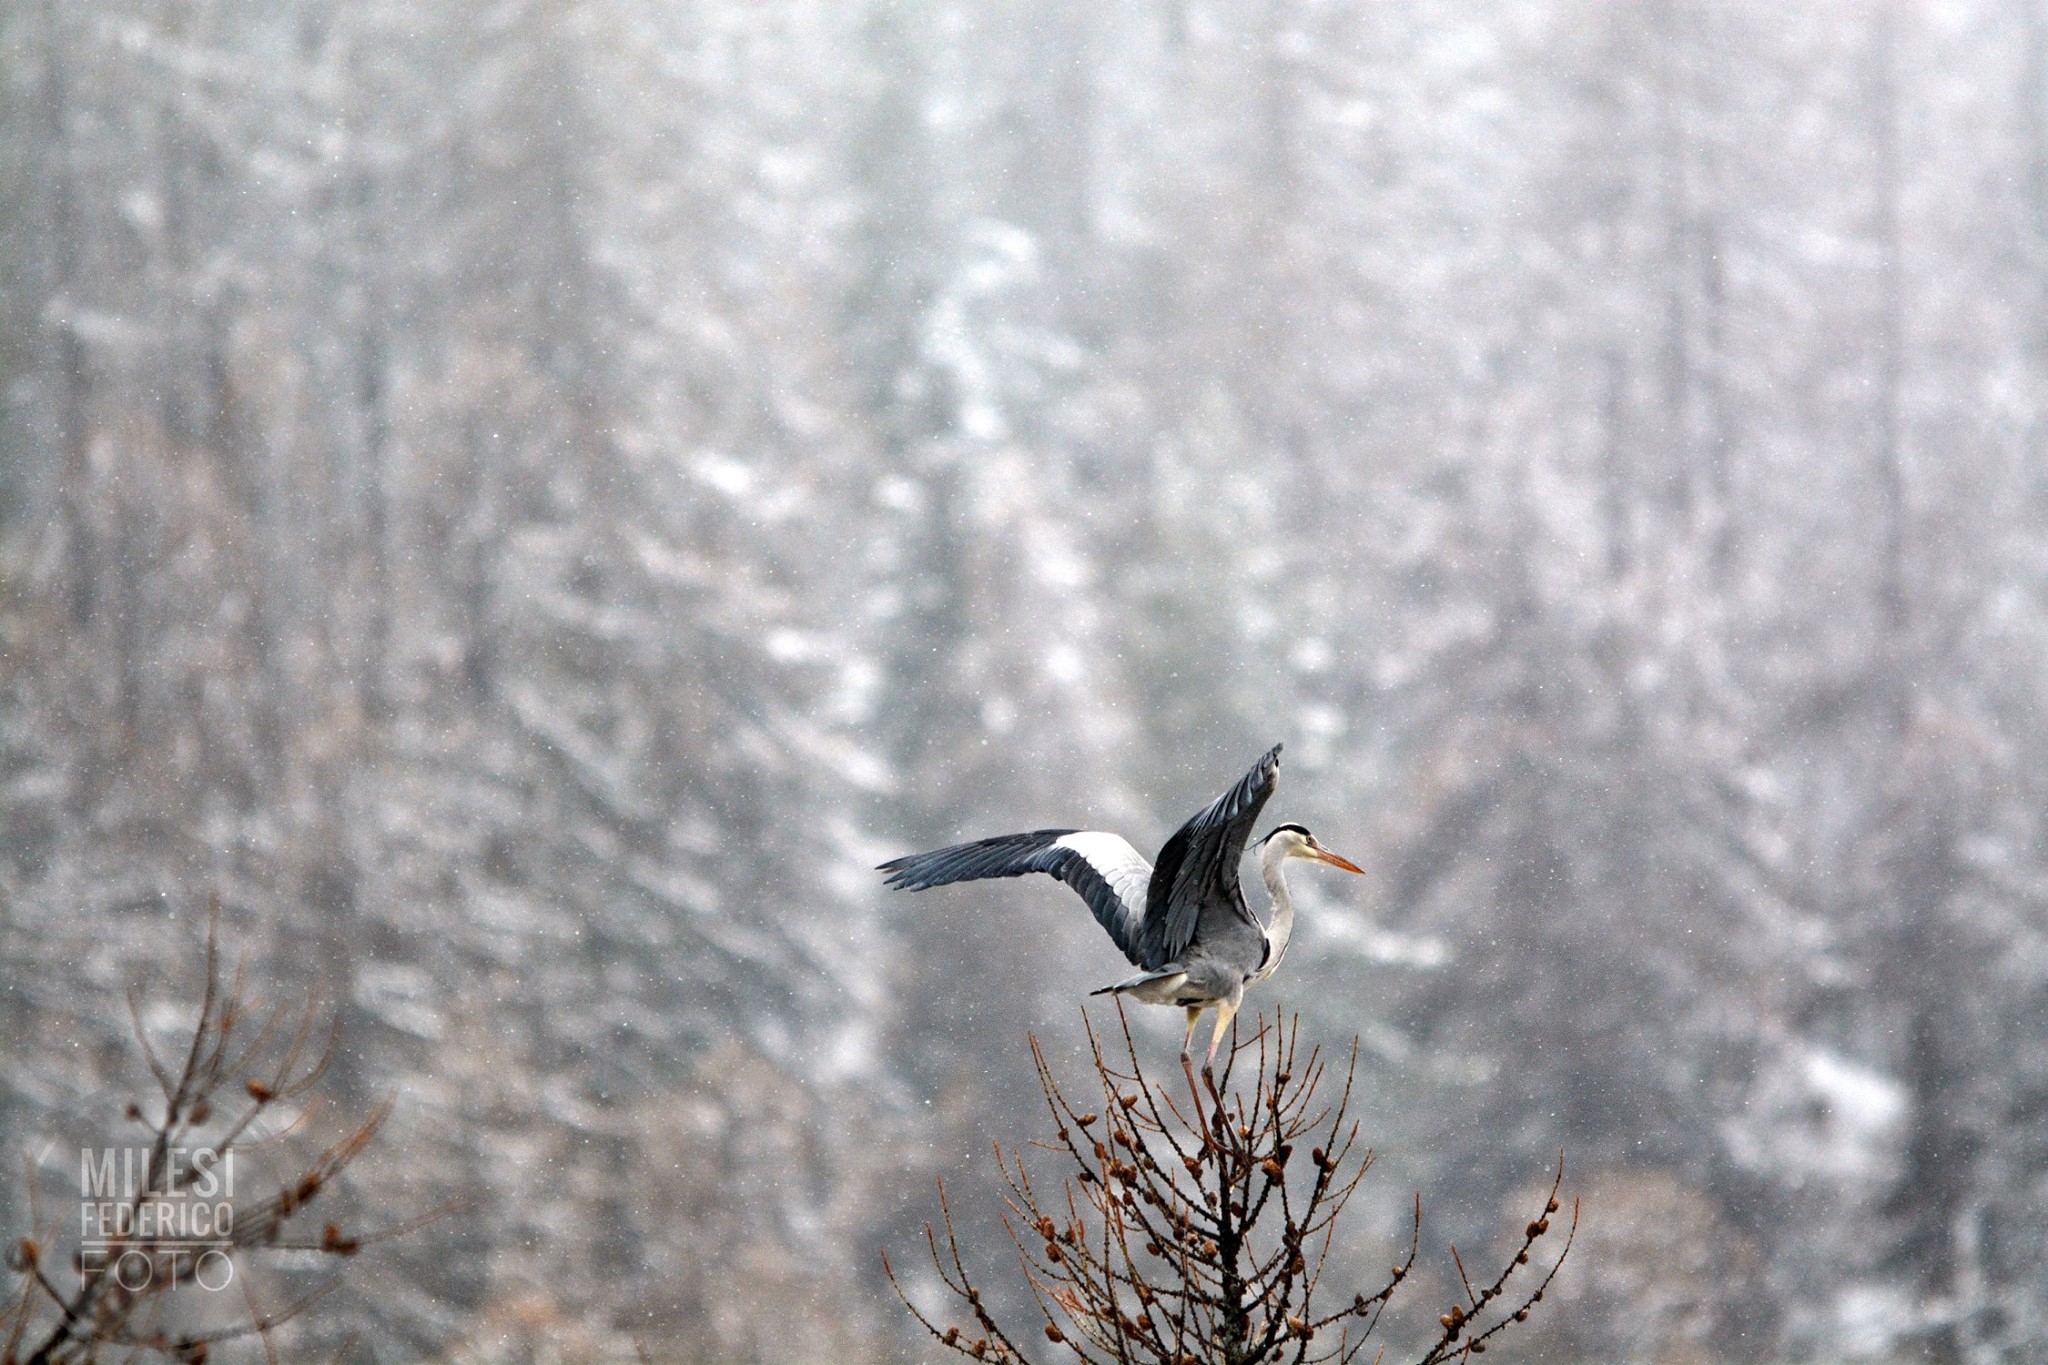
(903, 873)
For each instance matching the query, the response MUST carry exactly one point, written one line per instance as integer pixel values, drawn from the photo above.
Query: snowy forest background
(529, 501)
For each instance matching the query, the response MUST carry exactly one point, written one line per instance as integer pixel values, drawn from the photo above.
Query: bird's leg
(1187, 1041)
(1226, 1010)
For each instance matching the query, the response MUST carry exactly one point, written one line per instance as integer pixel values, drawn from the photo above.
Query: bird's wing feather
(1107, 872)
(1200, 862)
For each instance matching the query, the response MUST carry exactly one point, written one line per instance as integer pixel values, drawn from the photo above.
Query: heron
(1183, 923)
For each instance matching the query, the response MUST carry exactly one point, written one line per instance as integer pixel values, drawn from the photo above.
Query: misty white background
(529, 501)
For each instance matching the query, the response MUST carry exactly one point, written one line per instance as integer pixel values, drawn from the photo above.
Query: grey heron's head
(1294, 841)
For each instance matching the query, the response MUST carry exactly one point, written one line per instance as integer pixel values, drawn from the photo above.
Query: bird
(1184, 923)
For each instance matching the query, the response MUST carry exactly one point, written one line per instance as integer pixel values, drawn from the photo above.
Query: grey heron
(1184, 923)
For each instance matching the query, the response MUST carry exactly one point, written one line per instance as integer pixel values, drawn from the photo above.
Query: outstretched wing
(1199, 864)
(1110, 875)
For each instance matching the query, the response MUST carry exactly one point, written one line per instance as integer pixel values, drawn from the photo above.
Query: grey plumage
(1014, 855)
(1184, 923)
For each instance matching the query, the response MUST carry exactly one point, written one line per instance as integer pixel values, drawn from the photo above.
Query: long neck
(1280, 923)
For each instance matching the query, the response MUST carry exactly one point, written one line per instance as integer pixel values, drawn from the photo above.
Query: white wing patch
(1122, 866)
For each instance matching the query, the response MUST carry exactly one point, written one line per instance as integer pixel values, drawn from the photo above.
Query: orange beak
(1323, 855)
